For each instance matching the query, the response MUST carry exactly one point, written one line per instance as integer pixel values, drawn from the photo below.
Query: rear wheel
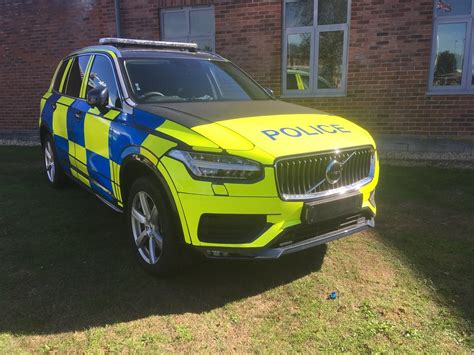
(154, 228)
(54, 172)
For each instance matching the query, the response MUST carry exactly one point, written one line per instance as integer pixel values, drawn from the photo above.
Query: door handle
(53, 107)
(78, 115)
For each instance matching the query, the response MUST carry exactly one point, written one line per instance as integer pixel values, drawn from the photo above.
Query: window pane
(102, 75)
(188, 80)
(453, 7)
(299, 13)
(76, 73)
(228, 86)
(331, 46)
(204, 43)
(332, 11)
(298, 58)
(449, 54)
(175, 24)
(202, 22)
(59, 76)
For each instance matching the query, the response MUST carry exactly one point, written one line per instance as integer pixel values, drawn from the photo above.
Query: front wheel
(153, 228)
(54, 172)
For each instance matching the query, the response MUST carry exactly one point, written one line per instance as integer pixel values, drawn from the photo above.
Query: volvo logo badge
(334, 171)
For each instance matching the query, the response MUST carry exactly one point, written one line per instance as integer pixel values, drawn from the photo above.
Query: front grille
(304, 177)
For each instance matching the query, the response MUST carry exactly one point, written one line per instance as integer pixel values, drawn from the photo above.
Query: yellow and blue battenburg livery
(197, 153)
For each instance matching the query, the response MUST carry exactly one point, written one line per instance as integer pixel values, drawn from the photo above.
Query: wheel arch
(44, 131)
(136, 166)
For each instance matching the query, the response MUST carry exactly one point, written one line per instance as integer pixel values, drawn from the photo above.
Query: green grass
(68, 280)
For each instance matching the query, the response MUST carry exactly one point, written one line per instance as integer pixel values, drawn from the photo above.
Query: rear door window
(59, 76)
(76, 74)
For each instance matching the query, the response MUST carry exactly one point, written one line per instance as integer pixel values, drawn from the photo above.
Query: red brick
(389, 54)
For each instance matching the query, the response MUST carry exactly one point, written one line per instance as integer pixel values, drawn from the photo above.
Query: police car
(198, 155)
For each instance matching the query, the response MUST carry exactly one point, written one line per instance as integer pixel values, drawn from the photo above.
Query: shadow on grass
(65, 262)
(427, 214)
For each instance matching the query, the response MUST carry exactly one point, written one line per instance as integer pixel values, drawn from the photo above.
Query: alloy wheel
(49, 161)
(146, 228)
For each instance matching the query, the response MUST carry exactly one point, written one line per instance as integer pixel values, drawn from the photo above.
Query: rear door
(72, 122)
(75, 119)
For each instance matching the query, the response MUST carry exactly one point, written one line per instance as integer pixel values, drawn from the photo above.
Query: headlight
(218, 166)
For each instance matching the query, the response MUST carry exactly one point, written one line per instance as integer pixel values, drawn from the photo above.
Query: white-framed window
(189, 24)
(315, 47)
(452, 57)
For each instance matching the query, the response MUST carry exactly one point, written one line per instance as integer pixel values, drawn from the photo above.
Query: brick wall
(389, 53)
(34, 36)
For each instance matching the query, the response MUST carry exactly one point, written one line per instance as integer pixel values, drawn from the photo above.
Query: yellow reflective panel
(60, 121)
(149, 155)
(82, 168)
(95, 111)
(254, 154)
(185, 135)
(164, 172)
(72, 153)
(115, 179)
(68, 101)
(112, 114)
(281, 214)
(81, 154)
(157, 145)
(96, 134)
(223, 137)
(83, 179)
(283, 135)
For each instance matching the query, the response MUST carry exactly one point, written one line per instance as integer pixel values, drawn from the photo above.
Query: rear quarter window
(59, 76)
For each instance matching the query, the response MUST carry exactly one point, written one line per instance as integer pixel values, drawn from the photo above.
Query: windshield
(177, 80)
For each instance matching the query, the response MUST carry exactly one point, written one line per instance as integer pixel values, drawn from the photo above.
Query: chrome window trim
(328, 194)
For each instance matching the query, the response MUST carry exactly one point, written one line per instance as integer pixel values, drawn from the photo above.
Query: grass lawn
(68, 280)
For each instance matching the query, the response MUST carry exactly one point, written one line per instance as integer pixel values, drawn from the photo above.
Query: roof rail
(146, 43)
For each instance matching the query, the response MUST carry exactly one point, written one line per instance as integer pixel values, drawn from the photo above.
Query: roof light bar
(147, 43)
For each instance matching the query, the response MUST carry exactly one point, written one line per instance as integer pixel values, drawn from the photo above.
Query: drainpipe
(118, 25)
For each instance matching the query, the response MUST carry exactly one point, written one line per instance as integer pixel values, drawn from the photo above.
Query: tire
(154, 228)
(54, 172)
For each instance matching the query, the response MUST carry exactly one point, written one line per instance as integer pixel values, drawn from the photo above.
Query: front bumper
(197, 199)
(276, 251)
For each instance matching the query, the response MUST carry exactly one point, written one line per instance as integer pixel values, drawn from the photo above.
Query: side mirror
(270, 92)
(98, 97)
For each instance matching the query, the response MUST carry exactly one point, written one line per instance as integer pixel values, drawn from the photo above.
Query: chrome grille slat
(298, 176)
